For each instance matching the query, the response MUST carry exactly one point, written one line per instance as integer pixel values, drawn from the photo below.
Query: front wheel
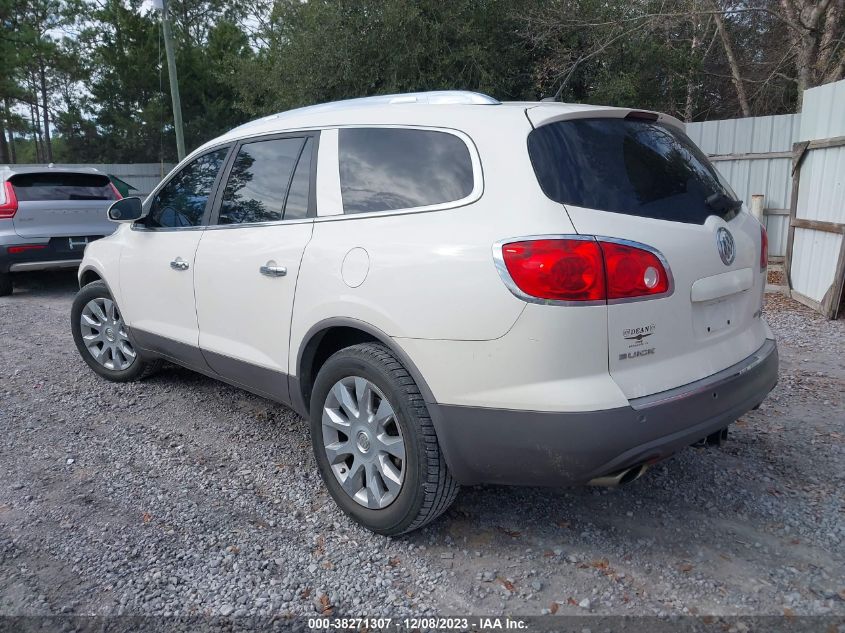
(102, 338)
(375, 444)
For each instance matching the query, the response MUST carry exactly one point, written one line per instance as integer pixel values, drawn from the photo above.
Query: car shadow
(51, 283)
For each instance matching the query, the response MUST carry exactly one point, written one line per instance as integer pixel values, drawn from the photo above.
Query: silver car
(48, 215)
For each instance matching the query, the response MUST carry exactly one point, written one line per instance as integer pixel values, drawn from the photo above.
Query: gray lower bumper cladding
(528, 448)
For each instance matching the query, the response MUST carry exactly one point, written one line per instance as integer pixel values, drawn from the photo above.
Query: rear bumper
(56, 254)
(544, 448)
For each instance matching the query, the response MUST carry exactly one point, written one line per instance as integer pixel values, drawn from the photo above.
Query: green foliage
(323, 51)
(96, 67)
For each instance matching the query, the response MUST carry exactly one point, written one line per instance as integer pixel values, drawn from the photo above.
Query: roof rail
(435, 97)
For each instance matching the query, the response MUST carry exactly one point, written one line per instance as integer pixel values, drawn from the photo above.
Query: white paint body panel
(243, 314)
(155, 297)
(722, 285)
(684, 349)
(553, 359)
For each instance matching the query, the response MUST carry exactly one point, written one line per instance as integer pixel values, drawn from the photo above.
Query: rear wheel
(102, 338)
(5, 284)
(375, 444)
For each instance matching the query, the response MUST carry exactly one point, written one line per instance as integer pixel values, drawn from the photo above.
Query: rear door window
(630, 166)
(38, 187)
(384, 169)
(269, 181)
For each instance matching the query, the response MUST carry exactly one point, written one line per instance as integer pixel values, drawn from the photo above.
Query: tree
(40, 52)
(82, 80)
(323, 51)
(816, 29)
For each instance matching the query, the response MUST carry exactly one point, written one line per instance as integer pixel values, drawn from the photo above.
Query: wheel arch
(88, 275)
(331, 335)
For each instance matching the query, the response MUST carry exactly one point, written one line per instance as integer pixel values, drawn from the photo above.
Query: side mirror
(126, 210)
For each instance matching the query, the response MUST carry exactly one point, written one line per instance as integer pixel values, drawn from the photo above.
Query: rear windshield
(635, 167)
(62, 186)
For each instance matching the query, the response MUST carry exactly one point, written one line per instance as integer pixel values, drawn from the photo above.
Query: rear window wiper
(722, 202)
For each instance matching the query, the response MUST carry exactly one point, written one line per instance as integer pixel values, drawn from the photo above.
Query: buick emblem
(726, 245)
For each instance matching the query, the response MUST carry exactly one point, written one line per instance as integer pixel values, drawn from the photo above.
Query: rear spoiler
(545, 113)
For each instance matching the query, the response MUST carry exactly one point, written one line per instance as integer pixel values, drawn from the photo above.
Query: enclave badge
(725, 244)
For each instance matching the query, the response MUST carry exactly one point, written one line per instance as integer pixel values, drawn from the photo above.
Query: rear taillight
(583, 269)
(22, 248)
(117, 195)
(10, 202)
(764, 248)
(556, 269)
(633, 272)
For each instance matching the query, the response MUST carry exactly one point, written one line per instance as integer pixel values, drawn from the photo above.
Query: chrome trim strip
(165, 229)
(59, 263)
(499, 261)
(705, 384)
(243, 225)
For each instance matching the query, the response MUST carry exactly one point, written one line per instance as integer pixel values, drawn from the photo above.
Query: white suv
(451, 289)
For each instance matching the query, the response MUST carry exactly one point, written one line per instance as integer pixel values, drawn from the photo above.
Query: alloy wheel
(104, 334)
(363, 442)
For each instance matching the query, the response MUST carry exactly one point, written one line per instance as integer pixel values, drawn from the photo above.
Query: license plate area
(75, 244)
(715, 317)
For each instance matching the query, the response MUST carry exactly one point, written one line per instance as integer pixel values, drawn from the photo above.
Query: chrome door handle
(179, 264)
(270, 269)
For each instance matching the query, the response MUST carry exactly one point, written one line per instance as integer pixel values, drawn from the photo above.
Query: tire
(5, 284)
(426, 489)
(136, 368)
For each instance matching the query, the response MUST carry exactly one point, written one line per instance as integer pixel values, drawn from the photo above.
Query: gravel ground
(181, 495)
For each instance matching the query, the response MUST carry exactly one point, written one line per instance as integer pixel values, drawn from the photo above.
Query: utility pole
(174, 81)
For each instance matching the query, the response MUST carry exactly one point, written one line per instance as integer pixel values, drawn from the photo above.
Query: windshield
(629, 166)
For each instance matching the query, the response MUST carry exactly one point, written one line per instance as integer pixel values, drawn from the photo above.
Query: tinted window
(262, 179)
(181, 202)
(383, 169)
(300, 187)
(635, 167)
(62, 186)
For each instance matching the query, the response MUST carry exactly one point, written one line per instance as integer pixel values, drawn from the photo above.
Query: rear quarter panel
(431, 275)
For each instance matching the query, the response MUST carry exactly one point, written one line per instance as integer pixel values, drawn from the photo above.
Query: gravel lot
(182, 495)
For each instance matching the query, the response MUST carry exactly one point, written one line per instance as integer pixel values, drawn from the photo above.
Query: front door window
(182, 201)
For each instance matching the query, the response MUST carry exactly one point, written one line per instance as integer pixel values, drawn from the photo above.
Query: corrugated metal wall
(821, 192)
(142, 176)
(731, 144)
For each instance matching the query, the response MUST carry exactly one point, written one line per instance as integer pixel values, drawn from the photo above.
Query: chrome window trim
(501, 267)
(222, 227)
(164, 229)
(475, 161)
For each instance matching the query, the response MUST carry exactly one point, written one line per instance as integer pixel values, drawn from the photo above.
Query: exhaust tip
(620, 478)
(632, 474)
(717, 438)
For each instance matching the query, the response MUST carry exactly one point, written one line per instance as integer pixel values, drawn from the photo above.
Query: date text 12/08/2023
(421, 623)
